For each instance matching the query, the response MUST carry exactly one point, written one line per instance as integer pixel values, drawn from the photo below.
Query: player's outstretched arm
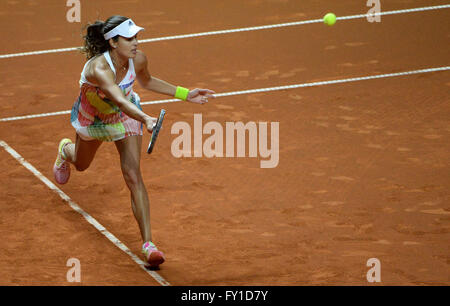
(105, 80)
(149, 82)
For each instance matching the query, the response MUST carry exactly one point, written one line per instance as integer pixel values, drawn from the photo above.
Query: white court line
(79, 210)
(256, 28)
(251, 91)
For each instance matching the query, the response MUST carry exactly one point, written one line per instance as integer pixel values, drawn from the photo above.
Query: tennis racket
(155, 131)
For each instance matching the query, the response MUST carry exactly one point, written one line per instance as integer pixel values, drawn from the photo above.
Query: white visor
(126, 29)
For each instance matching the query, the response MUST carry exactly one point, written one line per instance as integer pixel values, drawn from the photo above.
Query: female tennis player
(108, 109)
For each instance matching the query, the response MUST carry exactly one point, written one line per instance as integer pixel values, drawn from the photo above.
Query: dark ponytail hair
(94, 41)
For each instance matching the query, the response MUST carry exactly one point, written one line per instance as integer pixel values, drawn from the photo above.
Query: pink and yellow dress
(94, 116)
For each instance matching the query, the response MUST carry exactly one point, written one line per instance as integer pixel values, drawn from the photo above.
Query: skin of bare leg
(130, 154)
(81, 153)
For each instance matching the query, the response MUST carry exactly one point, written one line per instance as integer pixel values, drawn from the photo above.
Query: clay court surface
(364, 167)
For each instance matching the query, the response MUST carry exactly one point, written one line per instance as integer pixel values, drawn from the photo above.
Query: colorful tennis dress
(94, 116)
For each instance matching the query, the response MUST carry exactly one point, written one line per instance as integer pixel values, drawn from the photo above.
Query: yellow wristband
(181, 93)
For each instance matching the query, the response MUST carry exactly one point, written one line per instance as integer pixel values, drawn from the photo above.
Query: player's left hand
(200, 96)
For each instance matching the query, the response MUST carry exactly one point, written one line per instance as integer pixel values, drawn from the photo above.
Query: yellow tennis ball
(329, 19)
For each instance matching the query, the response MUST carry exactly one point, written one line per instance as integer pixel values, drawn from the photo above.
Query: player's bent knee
(81, 167)
(132, 177)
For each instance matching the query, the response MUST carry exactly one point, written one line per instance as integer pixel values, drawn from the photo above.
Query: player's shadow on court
(152, 268)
